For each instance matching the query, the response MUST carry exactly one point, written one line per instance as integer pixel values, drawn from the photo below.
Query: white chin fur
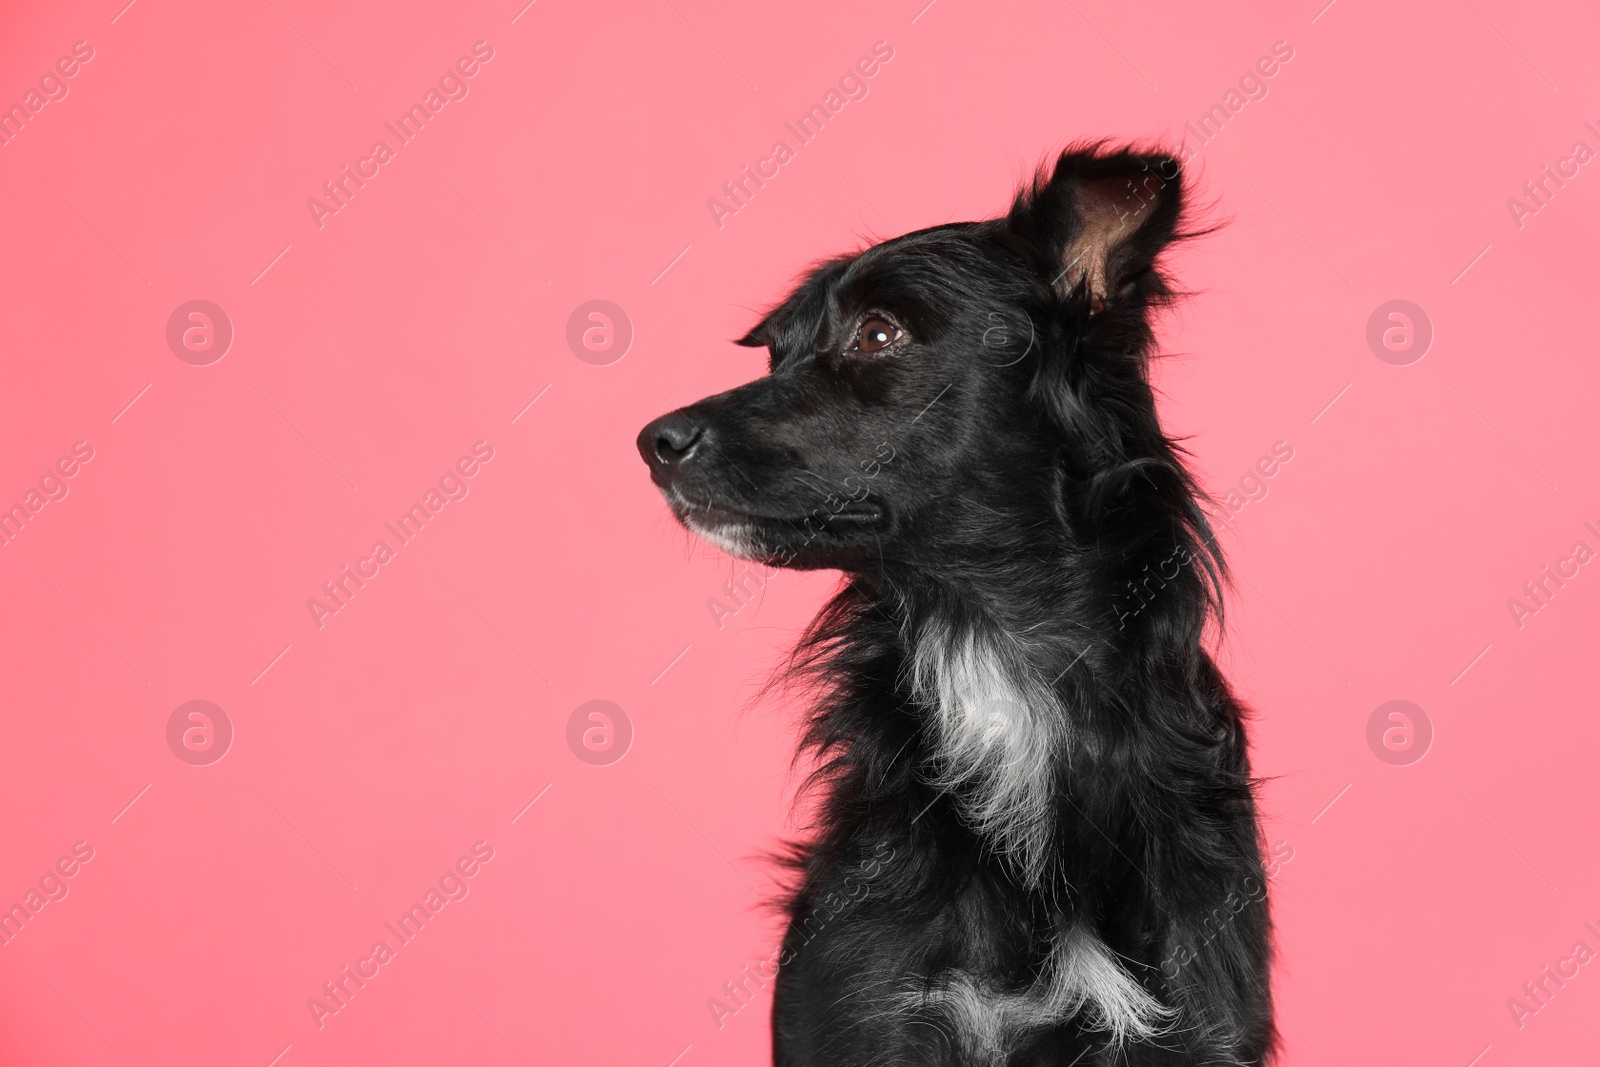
(733, 538)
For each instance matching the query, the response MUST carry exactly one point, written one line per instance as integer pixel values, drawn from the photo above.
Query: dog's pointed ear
(793, 322)
(1098, 222)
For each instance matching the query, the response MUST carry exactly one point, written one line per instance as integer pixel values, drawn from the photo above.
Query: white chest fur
(999, 730)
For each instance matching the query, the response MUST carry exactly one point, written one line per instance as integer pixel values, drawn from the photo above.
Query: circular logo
(1399, 332)
(599, 332)
(1399, 733)
(199, 732)
(599, 732)
(199, 333)
(1007, 340)
(1005, 724)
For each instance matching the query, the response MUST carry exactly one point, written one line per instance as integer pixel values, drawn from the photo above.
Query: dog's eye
(875, 335)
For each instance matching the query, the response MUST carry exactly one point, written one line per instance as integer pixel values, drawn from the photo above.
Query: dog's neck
(1010, 664)
(998, 731)
(984, 661)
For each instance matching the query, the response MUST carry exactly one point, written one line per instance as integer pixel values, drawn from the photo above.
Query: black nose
(669, 441)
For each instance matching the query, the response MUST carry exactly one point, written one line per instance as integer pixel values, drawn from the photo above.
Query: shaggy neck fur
(1026, 665)
(999, 732)
(1020, 676)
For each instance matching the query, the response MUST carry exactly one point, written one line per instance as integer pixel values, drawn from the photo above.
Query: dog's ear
(758, 337)
(793, 322)
(1098, 222)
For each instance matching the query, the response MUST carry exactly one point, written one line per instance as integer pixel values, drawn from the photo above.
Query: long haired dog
(1036, 839)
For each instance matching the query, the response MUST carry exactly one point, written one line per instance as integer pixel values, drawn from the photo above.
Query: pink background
(372, 752)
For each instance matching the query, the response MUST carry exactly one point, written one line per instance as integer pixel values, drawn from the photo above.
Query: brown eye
(875, 335)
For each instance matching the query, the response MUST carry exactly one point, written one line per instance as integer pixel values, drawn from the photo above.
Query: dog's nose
(669, 441)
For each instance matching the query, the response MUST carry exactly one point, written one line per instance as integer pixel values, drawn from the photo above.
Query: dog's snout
(669, 441)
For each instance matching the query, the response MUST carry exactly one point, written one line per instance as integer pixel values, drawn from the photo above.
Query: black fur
(997, 469)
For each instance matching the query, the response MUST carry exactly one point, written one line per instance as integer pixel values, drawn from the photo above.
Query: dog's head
(941, 389)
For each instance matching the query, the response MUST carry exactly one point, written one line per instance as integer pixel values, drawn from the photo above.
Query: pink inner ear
(1108, 212)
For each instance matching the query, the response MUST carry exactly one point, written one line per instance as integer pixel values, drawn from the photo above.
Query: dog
(1035, 835)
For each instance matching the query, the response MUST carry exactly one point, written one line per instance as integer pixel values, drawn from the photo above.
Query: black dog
(1036, 840)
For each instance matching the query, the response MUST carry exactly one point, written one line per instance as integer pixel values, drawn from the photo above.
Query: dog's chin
(738, 539)
(837, 541)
